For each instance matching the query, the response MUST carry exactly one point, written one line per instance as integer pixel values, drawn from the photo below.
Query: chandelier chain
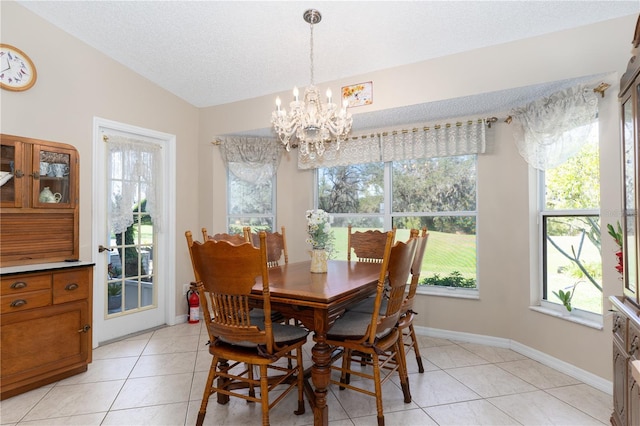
(311, 54)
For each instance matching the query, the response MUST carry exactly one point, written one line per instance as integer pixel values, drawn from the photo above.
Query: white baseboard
(543, 358)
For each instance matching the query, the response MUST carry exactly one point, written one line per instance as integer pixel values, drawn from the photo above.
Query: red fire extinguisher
(194, 306)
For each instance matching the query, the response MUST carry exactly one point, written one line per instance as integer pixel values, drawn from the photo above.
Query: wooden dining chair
(368, 245)
(405, 324)
(276, 246)
(222, 236)
(225, 275)
(367, 305)
(376, 334)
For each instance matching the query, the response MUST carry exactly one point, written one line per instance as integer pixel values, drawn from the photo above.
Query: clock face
(17, 71)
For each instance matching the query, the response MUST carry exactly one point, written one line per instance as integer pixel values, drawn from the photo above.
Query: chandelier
(310, 121)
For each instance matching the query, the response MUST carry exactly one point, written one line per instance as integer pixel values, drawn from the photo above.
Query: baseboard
(543, 358)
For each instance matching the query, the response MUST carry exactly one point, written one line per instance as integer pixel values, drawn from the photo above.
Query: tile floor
(157, 378)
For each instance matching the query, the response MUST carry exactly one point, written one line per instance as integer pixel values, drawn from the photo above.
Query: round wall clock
(17, 71)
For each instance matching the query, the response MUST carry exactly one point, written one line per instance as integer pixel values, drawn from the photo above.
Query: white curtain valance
(461, 138)
(553, 129)
(251, 159)
(134, 165)
(423, 141)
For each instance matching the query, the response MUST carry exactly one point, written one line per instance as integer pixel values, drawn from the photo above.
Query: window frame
(388, 216)
(272, 216)
(541, 281)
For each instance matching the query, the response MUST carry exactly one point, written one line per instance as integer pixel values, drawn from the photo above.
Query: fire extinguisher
(194, 306)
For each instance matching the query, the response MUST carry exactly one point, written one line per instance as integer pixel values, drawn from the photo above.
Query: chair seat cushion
(366, 306)
(283, 334)
(352, 325)
(258, 314)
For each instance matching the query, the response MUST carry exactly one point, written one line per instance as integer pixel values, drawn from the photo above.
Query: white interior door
(134, 266)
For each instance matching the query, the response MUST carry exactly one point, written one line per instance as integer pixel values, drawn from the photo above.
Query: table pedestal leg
(320, 376)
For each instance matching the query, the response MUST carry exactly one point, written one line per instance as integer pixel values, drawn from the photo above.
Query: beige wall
(76, 83)
(504, 251)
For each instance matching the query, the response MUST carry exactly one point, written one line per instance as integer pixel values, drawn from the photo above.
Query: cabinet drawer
(71, 285)
(25, 283)
(23, 301)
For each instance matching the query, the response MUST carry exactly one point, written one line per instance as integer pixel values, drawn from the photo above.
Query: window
(251, 181)
(250, 204)
(570, 232)
(439, 193)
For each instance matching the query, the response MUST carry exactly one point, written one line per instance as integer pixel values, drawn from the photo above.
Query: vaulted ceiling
(215, 52)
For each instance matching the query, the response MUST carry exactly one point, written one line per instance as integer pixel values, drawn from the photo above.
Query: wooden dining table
(316, 300)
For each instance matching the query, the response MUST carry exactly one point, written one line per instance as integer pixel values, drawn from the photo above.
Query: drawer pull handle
(616, 324)
(71, 287)
(18, 285)
(18, 303)
(634, 346)
(84, 329)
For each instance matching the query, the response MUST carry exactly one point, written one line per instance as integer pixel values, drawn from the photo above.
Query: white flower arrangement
(319, 230)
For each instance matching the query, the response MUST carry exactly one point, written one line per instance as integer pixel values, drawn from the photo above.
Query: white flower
(319, 229)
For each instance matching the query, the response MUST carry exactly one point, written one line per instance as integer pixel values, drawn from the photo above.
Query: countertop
(40, 267)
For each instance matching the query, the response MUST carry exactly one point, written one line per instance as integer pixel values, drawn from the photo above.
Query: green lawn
(445, 253)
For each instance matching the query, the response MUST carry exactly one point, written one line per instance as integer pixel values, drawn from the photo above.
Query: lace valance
(135, 175)
(552, 129)
(251, 159)
(423, 141)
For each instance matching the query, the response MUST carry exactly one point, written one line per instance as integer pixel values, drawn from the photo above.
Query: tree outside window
(250, 204)
(571, 231)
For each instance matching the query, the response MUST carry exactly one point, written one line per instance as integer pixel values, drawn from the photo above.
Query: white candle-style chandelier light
(310, 121)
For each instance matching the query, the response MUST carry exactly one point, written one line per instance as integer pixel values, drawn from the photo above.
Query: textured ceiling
(215, 52)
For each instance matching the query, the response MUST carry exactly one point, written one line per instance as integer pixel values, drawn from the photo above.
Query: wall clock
(17, 71)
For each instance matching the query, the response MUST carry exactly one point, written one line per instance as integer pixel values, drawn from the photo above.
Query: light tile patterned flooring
(157, 378)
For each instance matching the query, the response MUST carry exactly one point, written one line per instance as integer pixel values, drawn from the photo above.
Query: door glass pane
(53, 168)
(130, 281)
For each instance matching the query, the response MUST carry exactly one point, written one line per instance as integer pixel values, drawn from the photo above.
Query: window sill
(568, 317)
(457, 292)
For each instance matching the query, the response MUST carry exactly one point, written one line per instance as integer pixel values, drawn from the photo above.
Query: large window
(439, 193)
(571, 233)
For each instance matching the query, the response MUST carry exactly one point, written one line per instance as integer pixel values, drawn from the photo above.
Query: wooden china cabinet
(45, 290)
(626, 317)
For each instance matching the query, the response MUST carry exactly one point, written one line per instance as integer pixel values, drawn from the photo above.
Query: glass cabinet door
(630, 182)
(53, 171)
(11, 173)
(630, 170)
